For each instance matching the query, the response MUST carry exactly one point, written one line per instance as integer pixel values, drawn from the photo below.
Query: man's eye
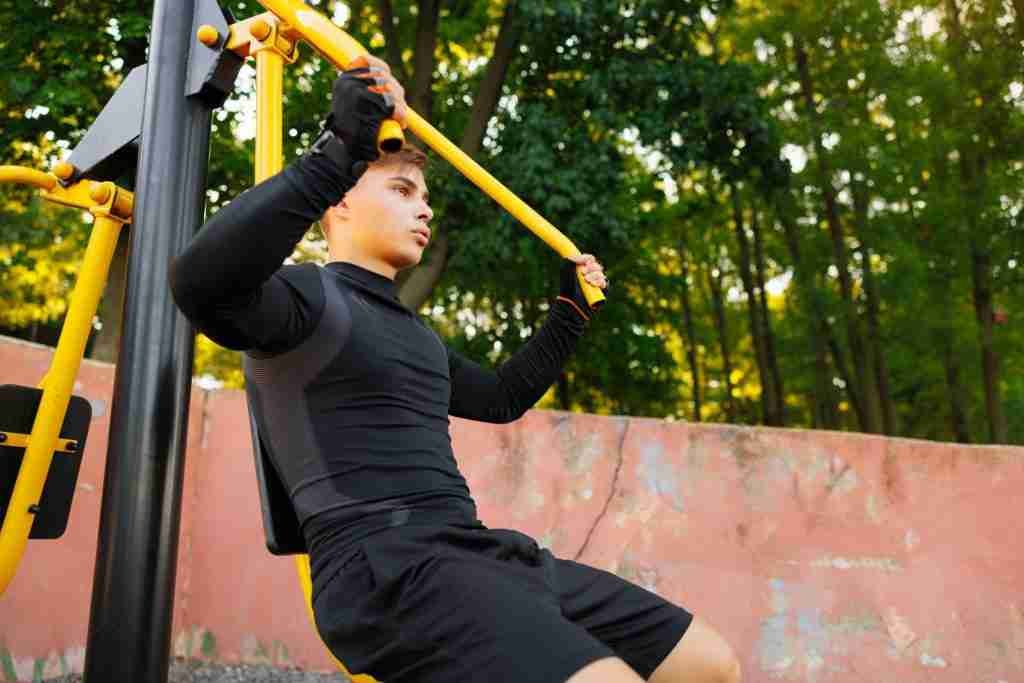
(403, 190)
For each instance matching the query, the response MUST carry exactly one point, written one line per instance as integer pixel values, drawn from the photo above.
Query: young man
(352, 393)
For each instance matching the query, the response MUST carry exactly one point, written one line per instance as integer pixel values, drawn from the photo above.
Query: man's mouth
(424, 232)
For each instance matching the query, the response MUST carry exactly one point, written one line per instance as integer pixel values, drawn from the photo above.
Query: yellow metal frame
(112, 207)
(16, 440)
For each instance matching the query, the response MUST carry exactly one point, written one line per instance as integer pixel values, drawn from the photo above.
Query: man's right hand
(363, 97)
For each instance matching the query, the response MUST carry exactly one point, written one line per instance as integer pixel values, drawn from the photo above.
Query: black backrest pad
(280, 523)
(18, 407)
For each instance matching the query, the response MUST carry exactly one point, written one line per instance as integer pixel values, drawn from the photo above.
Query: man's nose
(425, 213)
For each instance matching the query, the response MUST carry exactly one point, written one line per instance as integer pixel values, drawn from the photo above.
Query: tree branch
(417, 284)
(421, 93)
(387, 20)
(486, 101)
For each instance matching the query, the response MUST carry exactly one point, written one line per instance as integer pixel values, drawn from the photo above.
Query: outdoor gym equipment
(35, 494)
(158, 124)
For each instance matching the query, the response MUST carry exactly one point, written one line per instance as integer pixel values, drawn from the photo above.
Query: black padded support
(18, 407)
(280, 523)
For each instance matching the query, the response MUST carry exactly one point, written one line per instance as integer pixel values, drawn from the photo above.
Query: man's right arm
(229, 280)
(227, 283)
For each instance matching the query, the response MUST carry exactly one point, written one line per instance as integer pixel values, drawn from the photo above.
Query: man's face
(384, 218)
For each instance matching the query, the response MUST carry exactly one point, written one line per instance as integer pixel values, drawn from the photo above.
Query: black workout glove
(571, 292)
(356, 116)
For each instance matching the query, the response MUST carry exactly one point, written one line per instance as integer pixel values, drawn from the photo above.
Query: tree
(809, 211)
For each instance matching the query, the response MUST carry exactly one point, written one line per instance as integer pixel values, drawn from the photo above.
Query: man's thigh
(426, 609)
(639, 626)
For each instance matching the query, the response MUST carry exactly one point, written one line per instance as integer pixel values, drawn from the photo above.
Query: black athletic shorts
(460, 603)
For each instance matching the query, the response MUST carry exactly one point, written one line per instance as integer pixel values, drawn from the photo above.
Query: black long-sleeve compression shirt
(351, 391)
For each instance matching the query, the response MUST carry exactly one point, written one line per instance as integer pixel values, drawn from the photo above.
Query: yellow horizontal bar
(27, 176)
(85, 194)
(16, 440)
(317, 30)
(340, 49)
(77, 196)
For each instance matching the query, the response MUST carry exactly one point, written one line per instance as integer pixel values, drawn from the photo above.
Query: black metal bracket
(212, 69)
(110, 148)
(111, 145)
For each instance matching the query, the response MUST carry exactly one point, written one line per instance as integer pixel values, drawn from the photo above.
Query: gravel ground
(184, 671)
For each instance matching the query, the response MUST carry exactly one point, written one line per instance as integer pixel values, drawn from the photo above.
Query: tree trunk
(506, 47)
(973, 174)
(869, 409)
(753, 311)
(981, 280)
(861, 200)
(816, 310)
(957, 396)
(779, 398)
(826, 412)
(391, 44)
(942, 273)
(421, 94)
(880, 365)
(416, 285)
(562, 392)
(718, 306)
(690, 337)
(1018, 20)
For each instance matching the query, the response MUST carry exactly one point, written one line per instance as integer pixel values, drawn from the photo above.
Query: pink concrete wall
(821, 556)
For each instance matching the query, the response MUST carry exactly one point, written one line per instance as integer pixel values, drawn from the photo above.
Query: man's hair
(410, 154)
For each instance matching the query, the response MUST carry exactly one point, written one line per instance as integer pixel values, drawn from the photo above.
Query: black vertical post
(133, 590)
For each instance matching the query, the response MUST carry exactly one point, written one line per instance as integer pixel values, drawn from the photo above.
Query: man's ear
(339, 211)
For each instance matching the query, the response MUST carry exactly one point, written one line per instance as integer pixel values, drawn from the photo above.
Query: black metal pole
(133, 590)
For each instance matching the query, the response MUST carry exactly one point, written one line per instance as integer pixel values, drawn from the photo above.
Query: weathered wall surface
(821, 556)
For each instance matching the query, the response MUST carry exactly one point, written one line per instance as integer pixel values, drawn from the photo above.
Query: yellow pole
(269, 113)
(340, 49)
(495, 190)
(56, 394)
(269, 161)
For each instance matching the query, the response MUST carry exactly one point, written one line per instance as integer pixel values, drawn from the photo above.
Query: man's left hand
(593, 271)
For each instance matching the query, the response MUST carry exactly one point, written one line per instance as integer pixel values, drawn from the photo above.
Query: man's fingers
(376, 63)
(383, 83)
(368, 60)
(591, 269)
(401, 109)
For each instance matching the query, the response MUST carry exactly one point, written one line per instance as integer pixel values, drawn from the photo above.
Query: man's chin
(407, 261)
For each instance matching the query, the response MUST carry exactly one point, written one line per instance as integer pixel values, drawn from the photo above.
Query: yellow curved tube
(340, 49)
(60, 380)
(28, 176)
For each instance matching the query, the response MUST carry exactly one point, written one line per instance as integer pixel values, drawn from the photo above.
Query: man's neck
(371, 264)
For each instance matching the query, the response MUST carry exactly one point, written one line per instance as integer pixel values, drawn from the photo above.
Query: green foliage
(628, 126)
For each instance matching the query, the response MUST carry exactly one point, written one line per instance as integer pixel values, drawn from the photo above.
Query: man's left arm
(504, 394)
